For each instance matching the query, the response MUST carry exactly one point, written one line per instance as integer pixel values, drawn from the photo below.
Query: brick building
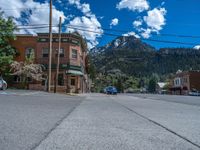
(185, 82)
(73, 60)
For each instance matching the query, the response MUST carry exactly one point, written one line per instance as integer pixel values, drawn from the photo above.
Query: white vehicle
(3, 84)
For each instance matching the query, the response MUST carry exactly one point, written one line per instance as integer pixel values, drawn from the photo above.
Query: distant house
(160, 87)
(185, 82)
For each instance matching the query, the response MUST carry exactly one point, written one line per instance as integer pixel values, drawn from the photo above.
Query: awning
(74, 72)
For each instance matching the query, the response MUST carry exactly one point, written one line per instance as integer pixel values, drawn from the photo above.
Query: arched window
(29, 52)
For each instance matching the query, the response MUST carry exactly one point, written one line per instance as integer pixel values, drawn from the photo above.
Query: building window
(65, 40)
(74, 53)
(75, 42)
(61, 52)
(55, 40)
(73, 82)
(45, 52)
(60, 79)
(43, 40)
(29, 52)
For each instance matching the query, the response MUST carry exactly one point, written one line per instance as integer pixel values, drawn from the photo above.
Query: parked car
(194, 93)
(110, 90)
(3, 84)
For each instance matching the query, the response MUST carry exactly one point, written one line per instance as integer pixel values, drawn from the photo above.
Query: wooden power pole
(50, 46)
(58, 57)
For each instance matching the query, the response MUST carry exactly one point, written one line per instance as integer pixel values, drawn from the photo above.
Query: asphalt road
(27, 117)
(41, 121)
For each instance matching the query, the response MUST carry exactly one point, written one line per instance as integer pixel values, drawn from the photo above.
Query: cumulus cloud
(155, 18)
(131, 34)
(152, 22)
(85, 8)
(146, 33)
(137, 23)
(197, 47)
(133, 5)
(37, 13)
(114, 22)
(155, 21)
(14, 7)
(87, 23)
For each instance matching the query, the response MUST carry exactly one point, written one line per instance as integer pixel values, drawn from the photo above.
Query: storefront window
(60, 79)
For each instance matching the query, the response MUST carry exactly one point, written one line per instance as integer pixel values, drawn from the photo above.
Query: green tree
(119, 86)
(152, 84)
(91, 69)
(7, 52)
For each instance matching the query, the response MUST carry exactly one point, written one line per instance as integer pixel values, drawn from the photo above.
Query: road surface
(42, 121)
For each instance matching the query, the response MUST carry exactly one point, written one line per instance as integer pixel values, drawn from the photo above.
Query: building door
(73, 84)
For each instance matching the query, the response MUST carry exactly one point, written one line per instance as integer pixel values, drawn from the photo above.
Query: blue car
(110, 90)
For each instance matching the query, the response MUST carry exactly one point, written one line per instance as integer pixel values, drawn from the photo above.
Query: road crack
(55, 126)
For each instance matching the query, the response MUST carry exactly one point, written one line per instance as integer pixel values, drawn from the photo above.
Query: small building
(160, 88)
(73, 69)
(185, 82)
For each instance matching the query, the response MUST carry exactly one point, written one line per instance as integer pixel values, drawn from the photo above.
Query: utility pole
(50, 46)
(58, 58)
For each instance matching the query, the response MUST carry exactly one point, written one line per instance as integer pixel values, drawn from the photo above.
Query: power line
(24, 8)
(126, 31)
(152, 40)
(110, 34)
(160, 34)
(114, 30)
(27, 25)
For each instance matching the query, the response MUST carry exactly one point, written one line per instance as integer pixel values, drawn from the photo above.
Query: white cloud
(155, 18)
(146, 33)
(39, 14)
(114, 22)
(137, 23)
(133, 5)
(85, 8)
(131, 34)
(154, 21)
(197, 47)
(88, 24)
(12, 8)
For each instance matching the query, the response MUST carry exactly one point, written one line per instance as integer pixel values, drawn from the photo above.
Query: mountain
(122, 42)
(134, 57)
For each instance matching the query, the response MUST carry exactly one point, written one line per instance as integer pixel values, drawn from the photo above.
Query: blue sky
(146, 19)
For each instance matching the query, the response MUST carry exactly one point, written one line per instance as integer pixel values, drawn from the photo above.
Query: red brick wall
(195, 80)
(22, 43)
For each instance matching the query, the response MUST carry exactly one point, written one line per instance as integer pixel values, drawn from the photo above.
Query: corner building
(73, 67)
